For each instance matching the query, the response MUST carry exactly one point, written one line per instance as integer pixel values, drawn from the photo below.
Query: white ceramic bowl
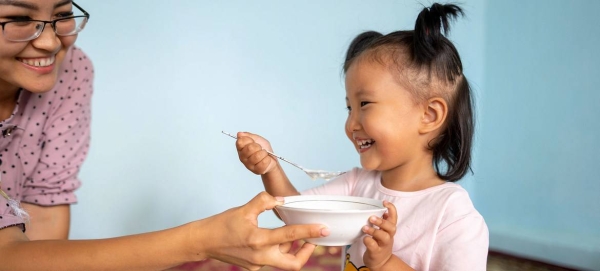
(343, 215)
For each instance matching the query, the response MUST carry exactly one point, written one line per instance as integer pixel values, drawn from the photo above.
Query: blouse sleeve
(7, 217)
(66, 135)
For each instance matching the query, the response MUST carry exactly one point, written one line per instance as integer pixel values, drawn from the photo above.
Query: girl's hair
(429, 65)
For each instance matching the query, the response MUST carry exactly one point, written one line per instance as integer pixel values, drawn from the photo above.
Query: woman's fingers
(283, 259)
(291, 233)
(297, 260)
(262, 202)
(285, 247)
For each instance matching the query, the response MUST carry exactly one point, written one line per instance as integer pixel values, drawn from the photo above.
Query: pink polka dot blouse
(46, 139)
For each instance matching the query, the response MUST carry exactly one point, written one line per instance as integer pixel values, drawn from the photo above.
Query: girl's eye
(364, 103)
(348, 108)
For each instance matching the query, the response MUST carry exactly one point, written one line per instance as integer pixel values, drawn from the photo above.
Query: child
(411, 121)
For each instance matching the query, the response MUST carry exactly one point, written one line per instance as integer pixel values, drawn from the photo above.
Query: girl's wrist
(275, 171)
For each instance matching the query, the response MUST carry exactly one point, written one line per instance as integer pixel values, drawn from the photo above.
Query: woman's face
(34, 64)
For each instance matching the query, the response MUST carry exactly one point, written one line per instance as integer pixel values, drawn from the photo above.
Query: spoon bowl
(322, 174)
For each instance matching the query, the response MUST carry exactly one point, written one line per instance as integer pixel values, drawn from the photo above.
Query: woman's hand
(251, 151)
(379, 242)
(234, 237)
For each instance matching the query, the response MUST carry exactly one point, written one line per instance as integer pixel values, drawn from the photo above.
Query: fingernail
(365, 228)
(373, 219)
(325, 232)
(280, 199)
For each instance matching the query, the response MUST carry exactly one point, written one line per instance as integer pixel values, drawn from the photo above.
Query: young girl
(410, 119)
(45, 97)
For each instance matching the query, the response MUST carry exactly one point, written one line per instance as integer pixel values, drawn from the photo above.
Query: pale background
(170, 75)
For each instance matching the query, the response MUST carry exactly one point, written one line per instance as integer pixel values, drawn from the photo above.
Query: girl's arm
(277, 183)
(232, 236)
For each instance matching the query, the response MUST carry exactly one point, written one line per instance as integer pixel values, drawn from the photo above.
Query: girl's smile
(364, 144)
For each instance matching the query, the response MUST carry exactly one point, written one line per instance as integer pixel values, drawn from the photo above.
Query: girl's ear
(435, 111)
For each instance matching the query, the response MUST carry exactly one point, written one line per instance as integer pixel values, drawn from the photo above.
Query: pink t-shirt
(438, 228)
(48, 141)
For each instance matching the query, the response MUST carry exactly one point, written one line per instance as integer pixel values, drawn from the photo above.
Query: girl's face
(383, 120)
(33, 65)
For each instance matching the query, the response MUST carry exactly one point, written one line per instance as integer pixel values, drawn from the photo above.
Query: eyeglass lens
(26, 30)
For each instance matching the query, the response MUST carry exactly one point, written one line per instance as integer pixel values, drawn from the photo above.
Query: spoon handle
(270, 153)
(285, 160)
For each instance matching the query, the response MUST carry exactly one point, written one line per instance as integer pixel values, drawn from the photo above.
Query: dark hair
(425, 55)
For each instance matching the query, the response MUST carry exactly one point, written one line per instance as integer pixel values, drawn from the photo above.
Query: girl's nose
(352, 123)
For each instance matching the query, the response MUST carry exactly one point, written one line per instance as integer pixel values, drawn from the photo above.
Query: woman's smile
(42, 65)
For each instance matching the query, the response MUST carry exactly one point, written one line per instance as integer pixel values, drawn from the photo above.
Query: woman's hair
(428, 64)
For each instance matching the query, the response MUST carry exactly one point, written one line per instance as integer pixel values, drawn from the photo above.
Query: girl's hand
(251, 151)
(379, 241)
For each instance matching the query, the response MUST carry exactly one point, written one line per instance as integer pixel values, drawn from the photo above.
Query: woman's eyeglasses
(26, 30)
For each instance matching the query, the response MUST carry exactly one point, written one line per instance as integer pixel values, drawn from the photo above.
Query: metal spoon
(312, 173)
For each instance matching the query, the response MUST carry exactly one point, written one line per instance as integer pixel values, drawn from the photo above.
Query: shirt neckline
(398, 193)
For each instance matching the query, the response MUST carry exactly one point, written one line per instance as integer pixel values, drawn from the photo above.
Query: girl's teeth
(365, 143)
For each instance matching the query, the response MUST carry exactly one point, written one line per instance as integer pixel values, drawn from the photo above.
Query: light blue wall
(170, 77)
(537, 178)
(174, 75)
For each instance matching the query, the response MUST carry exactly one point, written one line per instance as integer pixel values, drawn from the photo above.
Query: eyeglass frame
(85, 15)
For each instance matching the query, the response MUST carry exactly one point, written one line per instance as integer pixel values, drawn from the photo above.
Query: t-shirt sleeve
(340, 186)
(462, 241)
(66, 135)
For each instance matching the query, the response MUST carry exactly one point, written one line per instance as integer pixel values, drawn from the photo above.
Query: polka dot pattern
(49, 140)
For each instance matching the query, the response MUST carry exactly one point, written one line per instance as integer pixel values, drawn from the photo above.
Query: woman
(45, 92)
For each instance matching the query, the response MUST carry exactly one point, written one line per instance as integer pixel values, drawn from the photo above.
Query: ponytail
(428, 29)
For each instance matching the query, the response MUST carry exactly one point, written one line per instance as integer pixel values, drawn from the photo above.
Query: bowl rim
(377, 204)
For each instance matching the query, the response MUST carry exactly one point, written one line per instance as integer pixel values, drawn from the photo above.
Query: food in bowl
(343, 215)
